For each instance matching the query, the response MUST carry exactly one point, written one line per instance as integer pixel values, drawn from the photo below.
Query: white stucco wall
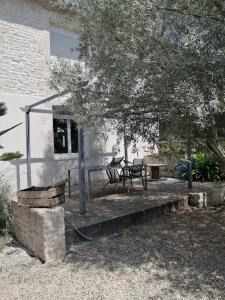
(24, 73)
(47, 168)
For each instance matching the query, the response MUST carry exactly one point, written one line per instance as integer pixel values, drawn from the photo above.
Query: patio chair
(138, 161)
(112, 171)
(113, 177)
(132, 171)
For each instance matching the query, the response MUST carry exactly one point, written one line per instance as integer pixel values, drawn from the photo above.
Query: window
(74, 137)
(64, 43)
(60, 136)
(65, 136)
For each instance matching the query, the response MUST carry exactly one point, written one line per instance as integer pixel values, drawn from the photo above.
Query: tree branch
(192, 14)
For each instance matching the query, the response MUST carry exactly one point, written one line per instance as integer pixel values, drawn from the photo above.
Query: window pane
(74, 137)
(60, 136)
(63, 45)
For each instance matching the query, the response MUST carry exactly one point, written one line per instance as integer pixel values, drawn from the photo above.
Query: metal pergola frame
(32, 109)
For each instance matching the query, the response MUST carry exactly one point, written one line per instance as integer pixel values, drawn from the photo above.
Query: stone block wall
(24, 51)
(41, 230)
(25, 46)
(198, 199)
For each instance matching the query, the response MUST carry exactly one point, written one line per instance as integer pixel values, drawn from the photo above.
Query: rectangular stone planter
(41, 230)
(38, 223)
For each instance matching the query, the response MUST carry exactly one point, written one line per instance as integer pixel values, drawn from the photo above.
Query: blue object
(182, 169)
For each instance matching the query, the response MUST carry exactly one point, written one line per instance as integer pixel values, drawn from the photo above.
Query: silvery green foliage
(148, 62)
(199, 87)
(68, 5)
(9, 155)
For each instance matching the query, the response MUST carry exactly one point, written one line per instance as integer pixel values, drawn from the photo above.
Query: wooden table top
(155, 165)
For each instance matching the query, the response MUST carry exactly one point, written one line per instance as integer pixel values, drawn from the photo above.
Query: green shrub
(206, 168)
(172, 147)
(4, 207)
(9, 155)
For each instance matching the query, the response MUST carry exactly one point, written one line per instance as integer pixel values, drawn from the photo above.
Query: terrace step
(115, 224)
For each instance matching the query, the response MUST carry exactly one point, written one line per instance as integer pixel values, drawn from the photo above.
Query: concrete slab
(108, 210)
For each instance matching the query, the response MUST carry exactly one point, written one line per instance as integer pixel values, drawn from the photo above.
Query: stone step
(118, 223)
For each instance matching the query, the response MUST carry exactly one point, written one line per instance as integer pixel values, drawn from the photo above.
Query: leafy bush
(172, 147)
(4, 188)
(4, 207)
(9, 155)
(206, 168)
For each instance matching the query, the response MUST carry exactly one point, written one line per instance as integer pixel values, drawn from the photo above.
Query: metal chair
(132, 171)
(138, 161)
(138, 170)
(112, 172)
(113, 177)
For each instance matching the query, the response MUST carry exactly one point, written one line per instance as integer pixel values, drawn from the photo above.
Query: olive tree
(146, 63)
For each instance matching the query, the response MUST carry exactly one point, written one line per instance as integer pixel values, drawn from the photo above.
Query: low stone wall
(198, 199)
(209, 194)
(41, 230)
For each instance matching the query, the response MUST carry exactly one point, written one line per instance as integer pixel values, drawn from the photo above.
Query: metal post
(81, 172)
(125, 172)
(126, 152)
(28, 152)
(146, 178)
(68, 124)
(125, 143)
(189, 157)
(69, 183)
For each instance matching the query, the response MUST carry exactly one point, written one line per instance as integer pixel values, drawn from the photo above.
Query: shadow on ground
(186, 250)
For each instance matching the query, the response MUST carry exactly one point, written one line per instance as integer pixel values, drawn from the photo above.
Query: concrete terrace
(108, 210)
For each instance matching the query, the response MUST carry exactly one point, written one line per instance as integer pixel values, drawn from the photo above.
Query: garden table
(154, 170)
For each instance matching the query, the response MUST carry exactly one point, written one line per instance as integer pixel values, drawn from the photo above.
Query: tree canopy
(149, 62)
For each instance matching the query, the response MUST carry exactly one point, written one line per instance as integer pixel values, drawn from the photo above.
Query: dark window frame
(70, 132)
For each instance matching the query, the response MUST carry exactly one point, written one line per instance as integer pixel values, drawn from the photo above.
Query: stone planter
(41, 230)
(38, 221)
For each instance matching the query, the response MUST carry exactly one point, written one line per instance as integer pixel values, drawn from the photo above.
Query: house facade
(31, 34)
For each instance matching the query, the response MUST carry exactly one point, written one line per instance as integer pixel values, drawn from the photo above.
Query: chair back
(116, 161)
(137, 168)
(138, 161)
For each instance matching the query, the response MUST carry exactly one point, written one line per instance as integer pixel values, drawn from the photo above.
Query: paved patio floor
(105, 204)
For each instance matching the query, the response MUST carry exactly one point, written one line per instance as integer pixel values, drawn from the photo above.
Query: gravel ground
(179, 256)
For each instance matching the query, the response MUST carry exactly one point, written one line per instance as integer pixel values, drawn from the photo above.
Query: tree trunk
(218, 151)
(212, 144)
